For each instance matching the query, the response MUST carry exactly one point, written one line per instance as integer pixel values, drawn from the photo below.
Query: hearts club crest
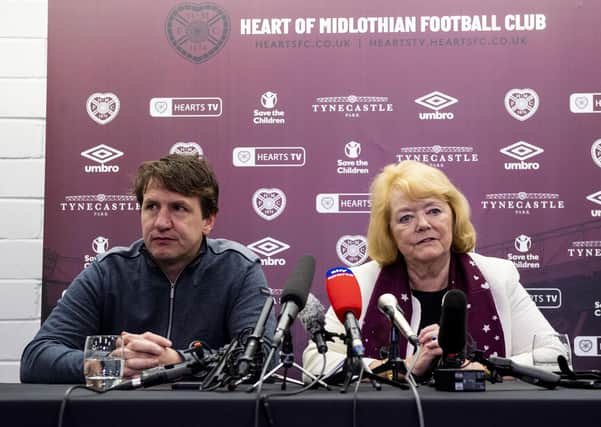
(103, 107)
(269, 203)
(197, 31)
(521, 104)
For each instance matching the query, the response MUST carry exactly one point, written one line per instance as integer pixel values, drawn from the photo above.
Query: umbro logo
(436, 101)
(102, 153)
(268, 246)
(521, 150)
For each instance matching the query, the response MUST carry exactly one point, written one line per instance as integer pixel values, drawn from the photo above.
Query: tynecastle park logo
(197, 31)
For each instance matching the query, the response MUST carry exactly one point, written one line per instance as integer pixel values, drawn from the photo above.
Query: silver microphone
(389, 306)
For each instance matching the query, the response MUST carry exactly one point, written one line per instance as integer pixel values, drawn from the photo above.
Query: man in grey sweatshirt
(163, 292)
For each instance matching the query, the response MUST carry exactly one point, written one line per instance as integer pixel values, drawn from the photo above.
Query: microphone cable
(356, 393)
(418, 402)
(294, 392)
(409, 374)
(61, 412)
(260, 386)
(413, 386)
(230, 378)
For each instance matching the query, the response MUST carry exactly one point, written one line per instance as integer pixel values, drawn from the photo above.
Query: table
(509, 404)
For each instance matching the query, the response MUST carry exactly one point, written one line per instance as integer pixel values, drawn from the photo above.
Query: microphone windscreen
(299, 282)
(451, 336)
(313, 315)
(386, 302)
(344, 292)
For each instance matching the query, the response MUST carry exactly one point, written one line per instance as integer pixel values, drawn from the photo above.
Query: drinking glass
(547, 347)
(103, 361)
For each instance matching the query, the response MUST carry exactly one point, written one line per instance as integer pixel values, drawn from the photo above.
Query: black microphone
(253, 342)
(528, 374)
(171, 373)
(313, 319)
(451, 336)
(449, 376)
(294, 296)
(389, 306)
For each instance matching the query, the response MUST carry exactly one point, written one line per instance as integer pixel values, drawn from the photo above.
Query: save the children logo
(524, 259)
(353, 164)
(100, 245)
(268, 115)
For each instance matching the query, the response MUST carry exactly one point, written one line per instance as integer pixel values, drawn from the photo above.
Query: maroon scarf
(483, 324)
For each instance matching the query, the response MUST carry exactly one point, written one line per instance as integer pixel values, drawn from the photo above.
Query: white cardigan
(519, 316)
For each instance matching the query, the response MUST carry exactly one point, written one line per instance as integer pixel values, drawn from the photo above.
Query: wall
(23, 40)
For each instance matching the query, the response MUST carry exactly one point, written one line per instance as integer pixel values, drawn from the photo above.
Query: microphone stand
(287, 361)
(394, 363)
(352, 368)
(217, 372)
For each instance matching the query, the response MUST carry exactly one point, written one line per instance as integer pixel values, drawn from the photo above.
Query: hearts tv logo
(197, 31)
(581, 102)
(585, 345)
(327, 203)
(352, 250)
(521, 104)
(160, 106)
(103, 107)
(269, 203)
(243, 156)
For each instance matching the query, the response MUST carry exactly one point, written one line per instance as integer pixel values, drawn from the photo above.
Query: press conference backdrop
(298, 105)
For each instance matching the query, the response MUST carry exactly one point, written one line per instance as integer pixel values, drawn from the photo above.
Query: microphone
(345, 297)
(253, 342)
(171, 373)
(449, 376)
(389, 306)
(528, 374)
(451, 336)
(294, 296)
(313, 319)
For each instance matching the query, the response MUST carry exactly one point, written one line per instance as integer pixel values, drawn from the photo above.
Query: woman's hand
(430, 350)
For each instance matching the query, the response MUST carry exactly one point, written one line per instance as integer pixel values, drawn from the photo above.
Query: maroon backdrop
(299, 105)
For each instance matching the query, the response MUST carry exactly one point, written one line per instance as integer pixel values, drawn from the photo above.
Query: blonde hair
(415, 180)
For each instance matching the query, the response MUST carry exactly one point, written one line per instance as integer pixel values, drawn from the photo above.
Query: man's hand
(147, 350)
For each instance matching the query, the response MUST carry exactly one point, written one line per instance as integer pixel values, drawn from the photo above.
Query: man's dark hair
(185, 174)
